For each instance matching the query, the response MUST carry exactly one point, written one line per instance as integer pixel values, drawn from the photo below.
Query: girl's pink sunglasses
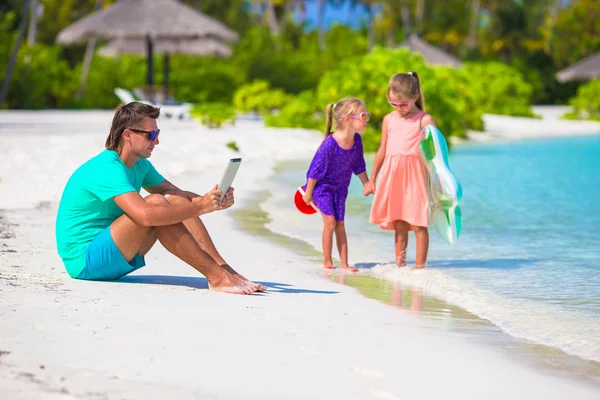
(363, 116)
(400, 104)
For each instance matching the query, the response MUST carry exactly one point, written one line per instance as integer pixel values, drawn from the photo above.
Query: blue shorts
(104, 261)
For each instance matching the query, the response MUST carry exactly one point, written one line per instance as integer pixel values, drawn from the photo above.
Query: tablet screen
(229, 174)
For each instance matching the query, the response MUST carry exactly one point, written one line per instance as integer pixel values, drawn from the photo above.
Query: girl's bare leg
(329, 225)
(342, 245)
(422, 236)
(401, 242)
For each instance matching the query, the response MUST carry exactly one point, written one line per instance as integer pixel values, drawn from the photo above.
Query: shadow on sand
(201, 283)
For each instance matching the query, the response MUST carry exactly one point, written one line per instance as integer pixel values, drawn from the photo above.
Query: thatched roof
(161, 19)
(433, 55)
(200, 47)
(588, 68)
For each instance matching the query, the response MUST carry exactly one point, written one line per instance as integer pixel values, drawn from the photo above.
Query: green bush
(105, 75)
(586, 104)
(258, 97)
(233, 146)
(300, 112)
(457, 89)
(367, 78)
(213, 115)
(203, 79)
(41, 79)
(498, 88)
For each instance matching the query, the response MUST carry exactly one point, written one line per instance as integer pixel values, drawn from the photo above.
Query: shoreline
(432, 312)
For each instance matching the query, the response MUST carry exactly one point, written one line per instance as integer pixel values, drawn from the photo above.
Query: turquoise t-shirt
(87, 204)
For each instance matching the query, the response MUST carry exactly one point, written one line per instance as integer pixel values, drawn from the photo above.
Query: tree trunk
(31, 35)
(389, 39)
(87, 59)
(371, 32)
(405, 14)
(272, 18)
(475, 7)
(13, 57)
(321, 25)
(419, 16)
(553, 13)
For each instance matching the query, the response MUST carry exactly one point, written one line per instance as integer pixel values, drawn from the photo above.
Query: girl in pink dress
(401, 199)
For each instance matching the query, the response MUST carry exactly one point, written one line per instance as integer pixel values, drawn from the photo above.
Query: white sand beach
(161, 333)
(501, 128)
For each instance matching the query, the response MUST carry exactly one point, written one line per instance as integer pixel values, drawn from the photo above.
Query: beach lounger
(180, 111)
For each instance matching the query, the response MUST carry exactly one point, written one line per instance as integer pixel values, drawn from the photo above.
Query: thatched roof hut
(148, 21)
(159, 19)
(433, 55)
(588, 68)
(199, 47)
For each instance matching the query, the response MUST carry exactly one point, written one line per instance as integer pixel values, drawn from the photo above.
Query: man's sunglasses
(151, 134)
(363, 116)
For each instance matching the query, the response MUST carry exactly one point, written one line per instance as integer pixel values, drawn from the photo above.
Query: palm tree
(272, 18)
(321, 24)
(419, 14)
(87, 59)
(475, 8)
(553, 13)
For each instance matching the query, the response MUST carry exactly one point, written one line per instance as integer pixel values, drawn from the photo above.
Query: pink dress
(401, 191)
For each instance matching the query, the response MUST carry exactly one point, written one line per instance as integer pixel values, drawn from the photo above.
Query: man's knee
(155, 199)
(176, 198)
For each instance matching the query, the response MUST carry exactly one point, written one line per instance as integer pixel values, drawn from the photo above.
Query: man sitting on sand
(104, 228)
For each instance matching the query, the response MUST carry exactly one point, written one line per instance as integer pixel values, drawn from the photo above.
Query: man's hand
(210, 202)
(228, 200)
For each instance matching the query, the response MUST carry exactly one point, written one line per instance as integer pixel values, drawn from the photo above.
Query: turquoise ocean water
(528, 258)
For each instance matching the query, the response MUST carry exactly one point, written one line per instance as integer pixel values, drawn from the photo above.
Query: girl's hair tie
(410, 73)
(334, 104)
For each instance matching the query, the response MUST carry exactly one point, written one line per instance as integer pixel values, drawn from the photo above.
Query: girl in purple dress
(330, 171)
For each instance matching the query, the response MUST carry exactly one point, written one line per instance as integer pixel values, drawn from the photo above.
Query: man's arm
(160, 214)
(166, 187)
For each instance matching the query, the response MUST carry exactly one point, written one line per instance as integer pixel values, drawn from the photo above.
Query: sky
(343, 15)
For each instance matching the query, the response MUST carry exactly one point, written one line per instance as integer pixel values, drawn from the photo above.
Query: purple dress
(332, 168)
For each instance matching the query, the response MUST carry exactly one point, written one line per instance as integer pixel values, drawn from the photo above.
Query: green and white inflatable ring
(444, 189)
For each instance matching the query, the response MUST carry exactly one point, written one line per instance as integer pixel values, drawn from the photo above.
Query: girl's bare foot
(420, 266)
(401, 259)
(349, 268)
(328, 266)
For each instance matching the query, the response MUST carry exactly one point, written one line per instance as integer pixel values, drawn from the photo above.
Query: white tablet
(232, 166)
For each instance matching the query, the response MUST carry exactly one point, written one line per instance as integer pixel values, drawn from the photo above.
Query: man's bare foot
(257, 286)
(232, 284)
(349, 268)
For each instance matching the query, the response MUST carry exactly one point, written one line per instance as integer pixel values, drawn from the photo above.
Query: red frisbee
(301, 205)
